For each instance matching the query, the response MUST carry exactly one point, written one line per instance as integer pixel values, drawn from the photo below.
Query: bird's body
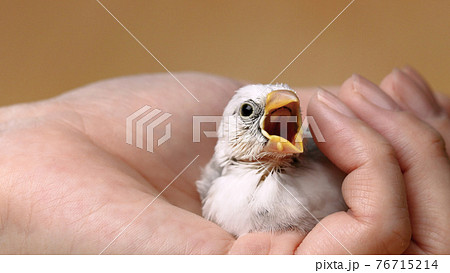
(251, 186)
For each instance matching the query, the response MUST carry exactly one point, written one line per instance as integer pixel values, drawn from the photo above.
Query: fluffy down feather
(246, 189)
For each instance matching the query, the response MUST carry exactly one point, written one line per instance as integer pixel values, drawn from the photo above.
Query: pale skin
(69, 183)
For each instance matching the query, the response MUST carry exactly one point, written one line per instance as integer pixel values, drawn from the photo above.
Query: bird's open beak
(281, 123)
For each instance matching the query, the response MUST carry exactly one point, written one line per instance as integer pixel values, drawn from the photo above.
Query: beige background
(48, 47)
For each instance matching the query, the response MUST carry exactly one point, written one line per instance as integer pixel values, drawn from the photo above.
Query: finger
(417, 78)
(444, 101)
(421, 154)
(306, 93)
(377, 220)
(401, 87)
(407, 88)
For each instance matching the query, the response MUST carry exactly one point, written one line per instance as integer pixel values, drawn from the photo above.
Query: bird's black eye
(246, 110)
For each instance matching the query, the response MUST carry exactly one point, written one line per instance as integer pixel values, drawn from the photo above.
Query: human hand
(415, 128)
(70, 184)
(418, 127)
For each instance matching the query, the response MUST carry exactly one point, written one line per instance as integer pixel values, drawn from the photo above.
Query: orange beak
(281, 123)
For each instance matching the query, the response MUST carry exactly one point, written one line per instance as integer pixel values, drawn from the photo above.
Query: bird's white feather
(243, 189)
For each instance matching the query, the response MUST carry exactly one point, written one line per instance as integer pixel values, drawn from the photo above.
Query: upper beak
(281, 123)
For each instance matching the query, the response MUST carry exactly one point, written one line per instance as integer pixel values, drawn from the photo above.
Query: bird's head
(261, 121)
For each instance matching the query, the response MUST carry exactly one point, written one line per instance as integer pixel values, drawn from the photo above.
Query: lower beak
(281, 123)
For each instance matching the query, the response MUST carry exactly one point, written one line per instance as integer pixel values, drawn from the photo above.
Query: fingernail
(373, 93)
(413, 96)
(333, 102)
(416, 77)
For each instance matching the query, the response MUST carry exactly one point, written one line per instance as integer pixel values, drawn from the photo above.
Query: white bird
(259, 178)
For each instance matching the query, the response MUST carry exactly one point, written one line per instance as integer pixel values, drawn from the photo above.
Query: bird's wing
(211, 171)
